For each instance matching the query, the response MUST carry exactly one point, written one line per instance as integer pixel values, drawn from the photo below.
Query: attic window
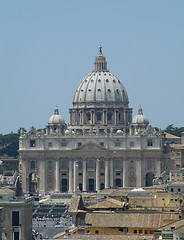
(92, 80)
(108, 90)
(81, 90)
(107, 80)
(99, 80)
(114, 80)
(117, 90)
(99, 90)
(32, 143)
(119, 81)
(89, 90)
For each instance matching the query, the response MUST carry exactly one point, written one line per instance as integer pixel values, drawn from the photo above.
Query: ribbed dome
(100, 85)
(56, 118)
(140, 118)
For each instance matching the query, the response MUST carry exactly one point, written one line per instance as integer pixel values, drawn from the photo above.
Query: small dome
(140, 118)
(56, 118)
(67, 132)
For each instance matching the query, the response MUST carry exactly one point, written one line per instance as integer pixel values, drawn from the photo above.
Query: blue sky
(47, 47)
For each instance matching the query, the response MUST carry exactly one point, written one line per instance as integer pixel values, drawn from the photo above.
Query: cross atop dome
(100, 49)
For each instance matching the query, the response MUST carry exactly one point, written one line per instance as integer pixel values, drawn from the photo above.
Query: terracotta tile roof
(177, 183)
(74, 234)
(176, 146)
(106, 203)
(178, 224)
(105, 237)
(76, 204)
(5, 190)
(168, 135)
(130, 220)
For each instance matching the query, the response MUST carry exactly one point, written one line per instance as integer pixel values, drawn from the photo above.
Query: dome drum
(100, 99)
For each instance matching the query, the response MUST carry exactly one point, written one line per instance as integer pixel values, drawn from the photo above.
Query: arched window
(32, 165)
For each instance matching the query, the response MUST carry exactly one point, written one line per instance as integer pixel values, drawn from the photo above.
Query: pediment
(90, 146)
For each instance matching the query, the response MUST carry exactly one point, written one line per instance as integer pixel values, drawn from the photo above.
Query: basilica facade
(101, 147)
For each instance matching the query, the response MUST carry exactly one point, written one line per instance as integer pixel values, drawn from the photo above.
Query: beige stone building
(102, 146)
(16, 214)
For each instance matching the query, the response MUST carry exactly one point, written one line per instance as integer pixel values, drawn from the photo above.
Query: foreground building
(16, 215)
(102, 146)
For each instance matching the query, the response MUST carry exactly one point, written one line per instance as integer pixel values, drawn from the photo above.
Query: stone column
(70, 176)
(138, 173)
(57, 176)
(125, 173)
(111, 174)
(25, 176)
(97, 175)
(84, 176)
(106, 174)
(42, 176)
(157, 163)
(76, 185)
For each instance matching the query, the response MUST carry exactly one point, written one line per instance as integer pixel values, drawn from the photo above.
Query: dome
(140, 118)
(100, 85)
(56, 118)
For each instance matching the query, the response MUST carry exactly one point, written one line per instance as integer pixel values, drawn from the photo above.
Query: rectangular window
(140, 231)
(149, 164)
(79, 144)
(149, 143)
(102, 144)
(99, 116)
(16, 235)
(32, 143)
(131, 144)
(63, 144)
(118, 174)
(179, 189)
(135, 230)
(15, 218)
(49, 144)
(117, 144)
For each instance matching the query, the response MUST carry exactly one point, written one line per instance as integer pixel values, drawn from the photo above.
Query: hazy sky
(47, 47)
